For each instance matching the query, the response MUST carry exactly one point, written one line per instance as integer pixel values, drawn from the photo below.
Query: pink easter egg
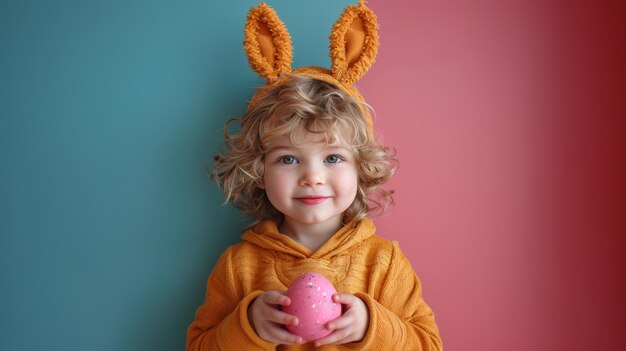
(311, 301)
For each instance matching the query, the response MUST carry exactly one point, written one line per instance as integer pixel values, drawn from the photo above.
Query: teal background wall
(110, 113)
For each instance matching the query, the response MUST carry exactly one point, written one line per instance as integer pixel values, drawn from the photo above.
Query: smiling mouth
(312, 200)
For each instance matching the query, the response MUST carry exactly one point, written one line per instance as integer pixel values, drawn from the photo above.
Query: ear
(267, 43)
(353, 43)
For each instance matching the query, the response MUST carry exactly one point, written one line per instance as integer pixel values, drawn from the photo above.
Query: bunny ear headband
(353, 48)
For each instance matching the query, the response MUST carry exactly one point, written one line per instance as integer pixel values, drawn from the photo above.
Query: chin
(315, 220)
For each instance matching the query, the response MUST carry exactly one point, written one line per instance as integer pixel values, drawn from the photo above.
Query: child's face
(311, 183)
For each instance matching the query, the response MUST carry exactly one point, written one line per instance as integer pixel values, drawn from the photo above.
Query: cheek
(275, 183)
(347, 184)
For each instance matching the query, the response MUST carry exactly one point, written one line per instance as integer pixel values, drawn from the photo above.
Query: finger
(345, 299)
(276, 298)
(336, 337)
(342, 322)
(280, 317)
(279, 335)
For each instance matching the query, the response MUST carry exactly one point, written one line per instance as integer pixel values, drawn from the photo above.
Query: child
(303, 164)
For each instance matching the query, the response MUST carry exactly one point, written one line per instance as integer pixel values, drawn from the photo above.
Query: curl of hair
(319, 108)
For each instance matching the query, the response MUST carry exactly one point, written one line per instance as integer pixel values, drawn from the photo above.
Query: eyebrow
(279, 147)
(291, 148)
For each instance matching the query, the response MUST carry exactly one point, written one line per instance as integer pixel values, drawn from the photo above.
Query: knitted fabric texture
(354, 259)
(353, 49)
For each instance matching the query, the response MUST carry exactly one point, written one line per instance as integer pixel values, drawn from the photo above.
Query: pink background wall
(508, 120)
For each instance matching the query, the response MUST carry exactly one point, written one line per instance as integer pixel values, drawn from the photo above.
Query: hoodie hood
(266, 235)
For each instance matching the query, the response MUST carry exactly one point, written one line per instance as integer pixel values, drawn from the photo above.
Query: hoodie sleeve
(399, 319)
(221, 321)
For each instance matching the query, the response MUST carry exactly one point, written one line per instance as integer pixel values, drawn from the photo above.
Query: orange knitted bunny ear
(353, 43)
(267, 43)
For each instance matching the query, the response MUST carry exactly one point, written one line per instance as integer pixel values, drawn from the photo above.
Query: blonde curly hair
(317, 107)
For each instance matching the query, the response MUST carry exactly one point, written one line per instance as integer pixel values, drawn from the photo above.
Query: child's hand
(267, 319)
(351, 326)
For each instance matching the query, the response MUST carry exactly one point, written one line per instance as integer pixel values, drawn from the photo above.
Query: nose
(312, 175)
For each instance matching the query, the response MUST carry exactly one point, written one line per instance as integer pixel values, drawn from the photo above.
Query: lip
(312, 200)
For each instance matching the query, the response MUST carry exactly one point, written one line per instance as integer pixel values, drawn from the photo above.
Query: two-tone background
(507, 117)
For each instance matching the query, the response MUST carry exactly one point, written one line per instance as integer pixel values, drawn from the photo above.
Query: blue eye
(288, 160)
(334, 159)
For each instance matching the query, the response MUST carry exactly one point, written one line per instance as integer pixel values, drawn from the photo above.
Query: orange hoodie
(354, 259)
